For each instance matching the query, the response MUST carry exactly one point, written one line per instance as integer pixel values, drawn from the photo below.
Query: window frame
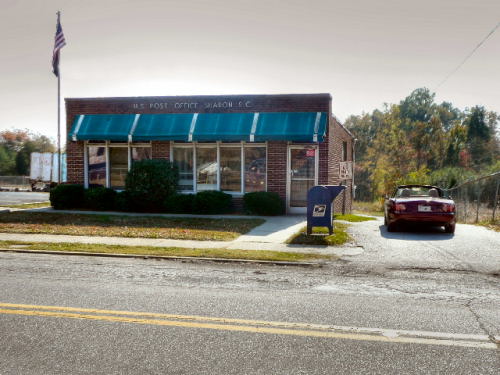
(242, 145)
(108, 145)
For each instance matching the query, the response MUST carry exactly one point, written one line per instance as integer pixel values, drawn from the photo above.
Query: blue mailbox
(319, 206)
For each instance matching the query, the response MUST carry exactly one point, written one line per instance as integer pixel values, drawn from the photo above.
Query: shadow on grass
(320, 236)
(126, 226)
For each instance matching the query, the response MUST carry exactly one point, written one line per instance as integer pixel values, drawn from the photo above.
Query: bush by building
(212, 202)
(68, 196)
(100, 198)
(150, 182)
(123, 202)
(179, 204)
(263, 203)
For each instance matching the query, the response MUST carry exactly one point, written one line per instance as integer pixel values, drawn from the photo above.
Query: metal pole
(478, 191)
(59, 124)
(495, 201)
(59, 110)
(466, 203)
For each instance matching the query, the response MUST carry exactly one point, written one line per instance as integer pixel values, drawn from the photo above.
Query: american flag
(59, 42)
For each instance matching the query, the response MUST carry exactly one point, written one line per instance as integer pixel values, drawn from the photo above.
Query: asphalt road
(222, 319)
(14, 197)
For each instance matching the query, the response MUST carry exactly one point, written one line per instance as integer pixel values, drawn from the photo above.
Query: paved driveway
(14, 197)
(472, 248)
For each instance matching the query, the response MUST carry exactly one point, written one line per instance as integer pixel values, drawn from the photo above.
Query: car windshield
(417, 191)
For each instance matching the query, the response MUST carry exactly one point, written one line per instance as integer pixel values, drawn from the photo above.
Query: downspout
(353, 187)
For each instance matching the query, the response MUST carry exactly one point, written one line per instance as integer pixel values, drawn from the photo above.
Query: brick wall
(74, 162)
(338, 134)
(160, 150)
(276, 167)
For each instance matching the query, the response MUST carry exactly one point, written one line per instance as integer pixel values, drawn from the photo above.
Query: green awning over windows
(202, 127)
(102, 127)
(291, 126)
(163, 127)
(223, 127)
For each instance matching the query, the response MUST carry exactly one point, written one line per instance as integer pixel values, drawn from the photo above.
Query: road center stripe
(251, 326)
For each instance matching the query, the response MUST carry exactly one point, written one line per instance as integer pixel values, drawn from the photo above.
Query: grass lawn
(166, 251)
(368, 208)
(339, 236)
(490, 224)
(353, 218)
(126, 226)
(28, 205)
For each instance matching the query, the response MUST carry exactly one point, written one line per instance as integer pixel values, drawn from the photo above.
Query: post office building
(232, 143)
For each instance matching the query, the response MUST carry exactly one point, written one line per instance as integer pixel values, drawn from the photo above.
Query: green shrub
(100, 198)
(179, 204)
(124, 202)
(67, 196)
(263, 203)
(212, 202)
(149, 183)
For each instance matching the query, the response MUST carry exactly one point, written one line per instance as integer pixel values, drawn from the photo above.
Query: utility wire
(468, 56)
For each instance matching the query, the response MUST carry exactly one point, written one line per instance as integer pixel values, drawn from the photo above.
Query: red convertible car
(419, 204)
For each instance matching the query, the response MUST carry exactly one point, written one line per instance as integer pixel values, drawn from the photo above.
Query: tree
(410, 141)
(418, 106)
(479, 138)
(16, 147)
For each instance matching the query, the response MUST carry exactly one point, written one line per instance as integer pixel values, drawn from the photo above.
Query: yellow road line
(250, 329)
(293, 325)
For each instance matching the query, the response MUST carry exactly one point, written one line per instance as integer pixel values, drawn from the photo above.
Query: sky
(363, 52)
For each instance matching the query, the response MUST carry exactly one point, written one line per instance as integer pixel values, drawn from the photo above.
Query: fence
(15, 182)
(477, 200)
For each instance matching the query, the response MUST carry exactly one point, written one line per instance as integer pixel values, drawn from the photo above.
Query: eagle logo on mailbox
(319, 210)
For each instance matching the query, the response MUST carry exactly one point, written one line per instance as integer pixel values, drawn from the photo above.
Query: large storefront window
(115, 160)
(206, 168)
(141, 153)
(97, 166)
(118, 160)
(230, 169)
(255, 169)
(183, 158)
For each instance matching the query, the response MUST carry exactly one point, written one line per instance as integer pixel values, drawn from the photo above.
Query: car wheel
(449, 228)
(391, 227)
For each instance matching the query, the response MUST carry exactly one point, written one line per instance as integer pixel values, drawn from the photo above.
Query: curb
(166, 257)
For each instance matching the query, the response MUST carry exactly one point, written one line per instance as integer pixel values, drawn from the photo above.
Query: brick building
(233, 143)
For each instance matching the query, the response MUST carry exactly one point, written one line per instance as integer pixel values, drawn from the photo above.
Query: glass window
(230, 169)
(141, 153)
(118, 159)
(206, 168)
(183, 158)
(302, 163)
(255, 169)
(96, 166)
(344, 151)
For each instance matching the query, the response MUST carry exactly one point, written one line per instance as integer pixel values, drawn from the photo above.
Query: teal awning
(202, 127)
(163, 127)
(291, 126)
(102, 127)
(223, 127)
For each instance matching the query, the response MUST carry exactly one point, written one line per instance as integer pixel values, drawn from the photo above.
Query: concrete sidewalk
(271, 235)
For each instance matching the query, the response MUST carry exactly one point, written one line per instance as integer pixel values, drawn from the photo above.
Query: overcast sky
(363, 52)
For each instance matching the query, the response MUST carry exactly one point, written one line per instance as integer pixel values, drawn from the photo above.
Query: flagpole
(59, 113)
(59, 126)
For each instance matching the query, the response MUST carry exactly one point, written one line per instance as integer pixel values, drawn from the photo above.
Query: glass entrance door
(302, 175)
